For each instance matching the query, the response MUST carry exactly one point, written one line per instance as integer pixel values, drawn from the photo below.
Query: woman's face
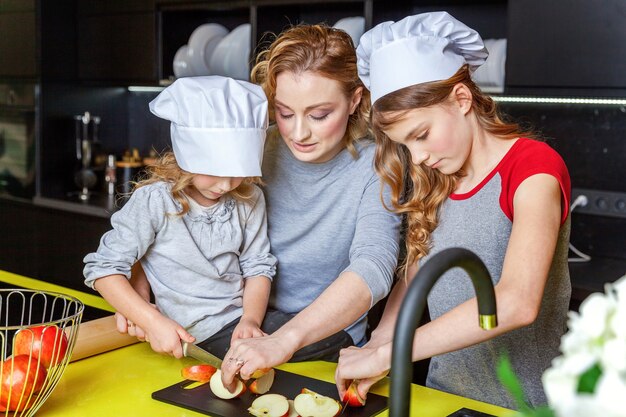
(312, 115)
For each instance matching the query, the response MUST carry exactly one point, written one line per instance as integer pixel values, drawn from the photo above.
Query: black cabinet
(47, 244)
(117, 47)
(572, 47)
(18, 47)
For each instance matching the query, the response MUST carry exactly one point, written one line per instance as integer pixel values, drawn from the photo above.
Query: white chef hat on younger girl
(218, 124)
(417, 49)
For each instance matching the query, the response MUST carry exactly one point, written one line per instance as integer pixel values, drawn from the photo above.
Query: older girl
(472, 181)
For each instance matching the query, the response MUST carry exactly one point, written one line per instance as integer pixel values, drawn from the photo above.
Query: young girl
(471, 181)
(198, 223)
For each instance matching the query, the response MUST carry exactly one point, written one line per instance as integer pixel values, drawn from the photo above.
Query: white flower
(596, 339)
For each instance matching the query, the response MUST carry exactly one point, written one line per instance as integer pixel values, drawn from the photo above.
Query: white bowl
(182, 67)
(354, 26)
(202, 42)
(231, 57)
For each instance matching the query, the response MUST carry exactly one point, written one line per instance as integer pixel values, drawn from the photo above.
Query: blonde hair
(416, 190)
(166, 169)
(321, 50)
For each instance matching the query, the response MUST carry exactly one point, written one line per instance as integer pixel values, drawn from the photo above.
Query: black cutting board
(202, 400)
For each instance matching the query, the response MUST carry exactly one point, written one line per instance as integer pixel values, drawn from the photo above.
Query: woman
(473, 181)
(336, 245)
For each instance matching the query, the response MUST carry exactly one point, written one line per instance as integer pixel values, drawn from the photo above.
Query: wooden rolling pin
(99, 336)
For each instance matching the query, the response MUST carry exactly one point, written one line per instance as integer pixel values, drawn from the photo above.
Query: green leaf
(588, 380)
(511, 382)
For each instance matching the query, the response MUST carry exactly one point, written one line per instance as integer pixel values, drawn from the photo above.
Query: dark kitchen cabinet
(47, 244)
(117, 47)
(18, 47)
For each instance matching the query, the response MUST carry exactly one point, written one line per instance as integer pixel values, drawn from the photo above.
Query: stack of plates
(490, 75)
(212, 50)
(354, 26)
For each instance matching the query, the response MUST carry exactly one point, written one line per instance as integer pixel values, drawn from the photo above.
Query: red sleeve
(531, 157)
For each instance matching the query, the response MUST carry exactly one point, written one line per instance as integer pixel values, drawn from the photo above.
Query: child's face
(438, 137)
(209, 188)
(312, 115)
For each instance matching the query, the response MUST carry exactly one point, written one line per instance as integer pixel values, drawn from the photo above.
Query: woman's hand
(367, 365)
(248, 355)
(246, 329)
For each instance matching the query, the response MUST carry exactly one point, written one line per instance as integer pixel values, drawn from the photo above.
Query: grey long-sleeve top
(196, 264)
(325, 219)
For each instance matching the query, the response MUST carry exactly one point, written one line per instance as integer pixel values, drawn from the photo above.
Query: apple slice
(352, 396)
(270, 405)
(259, 373)
(263, 384)
(199, 373)
(310, 403)
(220, 390)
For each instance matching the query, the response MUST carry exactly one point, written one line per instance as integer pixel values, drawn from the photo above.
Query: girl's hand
(126, 326)
(367, 365)
(165, 336)
(246, 329)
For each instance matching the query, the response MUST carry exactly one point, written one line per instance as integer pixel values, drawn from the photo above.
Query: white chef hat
(218, 124)
(417, 49)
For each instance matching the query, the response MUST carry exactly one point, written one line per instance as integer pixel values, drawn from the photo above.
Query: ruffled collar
(218, 213)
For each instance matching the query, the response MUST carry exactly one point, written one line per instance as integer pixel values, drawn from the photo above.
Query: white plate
(354, 26)
(182, 68)
(231, 56)
(202, 42)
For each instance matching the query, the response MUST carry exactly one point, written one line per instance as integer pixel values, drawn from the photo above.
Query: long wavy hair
(324, 51)
(417, 190)
(166, 169)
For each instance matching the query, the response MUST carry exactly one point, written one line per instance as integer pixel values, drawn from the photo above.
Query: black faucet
(411, 311)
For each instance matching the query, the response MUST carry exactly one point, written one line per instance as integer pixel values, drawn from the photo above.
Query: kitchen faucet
(412, 308)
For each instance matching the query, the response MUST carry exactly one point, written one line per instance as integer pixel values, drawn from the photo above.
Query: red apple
(48, 343)
(200, 373)
(270, 405)
(220, 390)
(352, 396)
(310, 403)
(263, 384)
(22, 377)
(259, 373)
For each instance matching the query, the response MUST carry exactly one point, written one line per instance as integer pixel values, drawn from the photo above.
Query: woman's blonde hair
(166, 169)
(322, 50)
(416, 190)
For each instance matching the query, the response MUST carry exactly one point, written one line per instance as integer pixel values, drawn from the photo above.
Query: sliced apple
(310, 403)
(352, 396)
(259, 373)
(263, 384)
(199, 373)
(270, 405)
(221, 391)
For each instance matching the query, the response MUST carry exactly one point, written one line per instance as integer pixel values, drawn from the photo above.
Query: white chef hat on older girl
(218, 124)
(417, 49)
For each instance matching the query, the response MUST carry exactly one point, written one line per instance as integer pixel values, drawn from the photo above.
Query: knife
(196, 352)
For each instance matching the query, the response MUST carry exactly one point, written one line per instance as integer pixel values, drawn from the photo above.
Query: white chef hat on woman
(218, 124)
(417, 49)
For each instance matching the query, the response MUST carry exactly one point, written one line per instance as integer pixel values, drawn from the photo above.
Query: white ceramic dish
(202, 42)
(491, 73)
(182, 68)
(232, 54)
(354, 26)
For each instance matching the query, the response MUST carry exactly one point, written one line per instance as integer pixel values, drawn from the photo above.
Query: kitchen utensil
(30, 320)
(232, 54)
(99, 336)
(196, 352)
(201, 399)
(182, 67)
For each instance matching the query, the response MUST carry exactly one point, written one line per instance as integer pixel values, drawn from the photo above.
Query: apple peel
(352, 396)
(198, 373)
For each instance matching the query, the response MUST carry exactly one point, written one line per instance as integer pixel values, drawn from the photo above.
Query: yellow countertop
(120, 382)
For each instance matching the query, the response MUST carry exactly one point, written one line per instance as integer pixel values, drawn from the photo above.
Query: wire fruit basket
(38, 332)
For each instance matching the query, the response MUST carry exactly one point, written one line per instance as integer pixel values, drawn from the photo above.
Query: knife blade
(196, 352)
